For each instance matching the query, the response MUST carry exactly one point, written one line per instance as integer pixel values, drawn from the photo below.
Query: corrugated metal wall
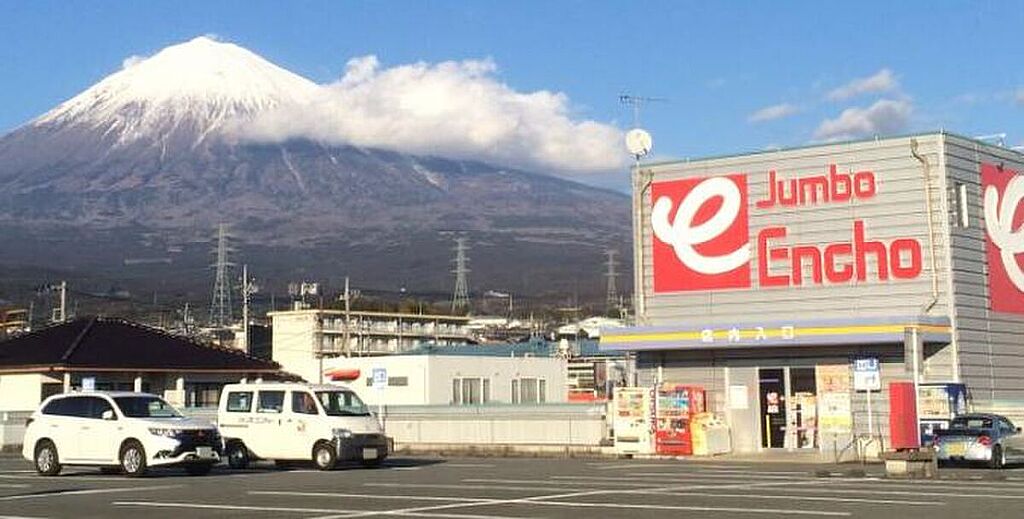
(990, 344)
(897, 211)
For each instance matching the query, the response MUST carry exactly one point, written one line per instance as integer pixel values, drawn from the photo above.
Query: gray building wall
(898, 210)
(990, 345)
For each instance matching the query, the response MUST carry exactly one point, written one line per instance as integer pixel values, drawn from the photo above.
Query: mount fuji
(147, 162)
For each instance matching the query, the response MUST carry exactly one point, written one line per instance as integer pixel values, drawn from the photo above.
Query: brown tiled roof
(116, 344)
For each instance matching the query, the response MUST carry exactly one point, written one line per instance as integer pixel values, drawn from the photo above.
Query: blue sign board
(380, 378)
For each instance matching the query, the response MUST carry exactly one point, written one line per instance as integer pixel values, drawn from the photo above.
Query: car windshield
(145, 407)
(971, 422)
(342, 403)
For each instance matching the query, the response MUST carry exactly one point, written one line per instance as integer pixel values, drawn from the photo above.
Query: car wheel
(133, 459)
(47, 460)
(198, 469)
(238, 455)
(323, 456)
(998, 458)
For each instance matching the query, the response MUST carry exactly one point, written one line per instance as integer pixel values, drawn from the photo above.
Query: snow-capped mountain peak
(198, 86)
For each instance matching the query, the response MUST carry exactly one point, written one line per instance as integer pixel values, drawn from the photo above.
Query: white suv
(299, 422)
(118, 431)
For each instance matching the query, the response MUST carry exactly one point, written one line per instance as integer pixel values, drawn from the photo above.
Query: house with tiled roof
(116, 354)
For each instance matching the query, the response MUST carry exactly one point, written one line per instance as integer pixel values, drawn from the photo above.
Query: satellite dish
(638, 142)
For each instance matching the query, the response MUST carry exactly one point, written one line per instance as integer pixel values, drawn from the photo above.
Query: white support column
(179, 384)
(67, 381)
(138, 384)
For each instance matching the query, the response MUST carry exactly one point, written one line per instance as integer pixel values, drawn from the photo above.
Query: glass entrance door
(772, 389)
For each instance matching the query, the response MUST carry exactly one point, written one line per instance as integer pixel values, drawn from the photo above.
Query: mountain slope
(152, 148)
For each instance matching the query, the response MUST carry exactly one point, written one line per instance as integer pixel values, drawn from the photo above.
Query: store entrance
(772, 385)
(802, 409)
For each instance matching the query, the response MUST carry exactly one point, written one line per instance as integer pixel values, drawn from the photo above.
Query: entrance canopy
(795, 332)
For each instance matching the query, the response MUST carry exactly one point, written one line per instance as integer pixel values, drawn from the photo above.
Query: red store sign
(702, 238)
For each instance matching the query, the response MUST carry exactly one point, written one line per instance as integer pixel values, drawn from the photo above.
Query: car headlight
(341, 433)
(167, 433)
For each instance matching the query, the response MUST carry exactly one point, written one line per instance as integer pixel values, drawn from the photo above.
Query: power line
(220, 304)
(612, 293)
(460, 297)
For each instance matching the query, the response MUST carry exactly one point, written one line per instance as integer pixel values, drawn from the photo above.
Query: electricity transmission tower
(220, 305)
(612, 293)
(460, 298)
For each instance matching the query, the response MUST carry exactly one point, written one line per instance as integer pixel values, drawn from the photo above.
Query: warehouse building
(779, 280)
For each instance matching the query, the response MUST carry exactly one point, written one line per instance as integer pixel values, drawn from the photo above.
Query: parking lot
(514, 488)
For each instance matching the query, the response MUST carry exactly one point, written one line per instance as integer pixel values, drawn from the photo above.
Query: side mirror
(108, 415)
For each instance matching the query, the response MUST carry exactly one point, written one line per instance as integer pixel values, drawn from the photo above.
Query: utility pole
(460, 298)
(248, 289)
(612, 293)
(220, 304)
(348, 319)
(63, 301)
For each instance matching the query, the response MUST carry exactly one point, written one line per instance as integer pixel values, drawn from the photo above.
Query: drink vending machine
(633, 409)
(677, 406)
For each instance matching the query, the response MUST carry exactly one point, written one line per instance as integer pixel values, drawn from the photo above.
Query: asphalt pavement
(500, 488)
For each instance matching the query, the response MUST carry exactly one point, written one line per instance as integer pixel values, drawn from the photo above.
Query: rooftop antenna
(612, 294)
(460, 298)
(220, 304)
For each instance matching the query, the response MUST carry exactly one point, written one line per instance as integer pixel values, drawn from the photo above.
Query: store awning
(796, 332)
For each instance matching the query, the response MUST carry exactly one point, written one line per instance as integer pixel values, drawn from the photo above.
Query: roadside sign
(380, 378)
(866, 374)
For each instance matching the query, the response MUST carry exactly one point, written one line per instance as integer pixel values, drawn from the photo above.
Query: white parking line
(546, 500)
(700, 494)
(469, 465)
(14, 485)
(86, 492)
(915, 493)
(336, 513)
(744, 476)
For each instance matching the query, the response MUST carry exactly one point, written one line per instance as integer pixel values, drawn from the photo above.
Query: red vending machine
(676, 407)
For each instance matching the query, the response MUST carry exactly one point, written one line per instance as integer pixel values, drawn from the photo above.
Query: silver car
(989, 438)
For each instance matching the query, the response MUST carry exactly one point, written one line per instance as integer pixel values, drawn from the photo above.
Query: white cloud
(773, 112)
(132, 60)
(455, 109)
(885, 116)
(882, 81)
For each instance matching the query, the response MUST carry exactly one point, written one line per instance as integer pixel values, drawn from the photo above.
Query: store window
(529, 390)
(471, 390)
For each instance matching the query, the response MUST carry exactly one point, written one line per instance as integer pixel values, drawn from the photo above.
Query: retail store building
(767, 277)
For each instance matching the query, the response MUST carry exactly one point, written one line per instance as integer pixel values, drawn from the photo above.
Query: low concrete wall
(12, 429)
(504, 425)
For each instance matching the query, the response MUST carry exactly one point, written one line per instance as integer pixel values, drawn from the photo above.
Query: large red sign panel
(702, 234)
(1002, 196)
(702, 237)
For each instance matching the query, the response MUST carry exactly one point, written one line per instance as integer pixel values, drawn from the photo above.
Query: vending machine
(633, 420)
(940, 403)
(677, 406)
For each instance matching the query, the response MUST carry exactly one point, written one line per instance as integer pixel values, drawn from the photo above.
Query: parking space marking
(450, 486)
(86, 492)
(548, 500)
(14, 485)
(469, 465)
(879, 491)
(368, 496)
(336, 513)
(803, 498)
(746, 476)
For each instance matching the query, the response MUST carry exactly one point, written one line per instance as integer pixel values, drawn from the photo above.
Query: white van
(295, 421)
(117, 431)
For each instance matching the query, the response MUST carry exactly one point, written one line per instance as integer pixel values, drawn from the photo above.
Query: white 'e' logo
(999, 224)
(682, 235)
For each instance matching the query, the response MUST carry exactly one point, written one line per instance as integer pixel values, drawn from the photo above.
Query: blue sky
(893, 67)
